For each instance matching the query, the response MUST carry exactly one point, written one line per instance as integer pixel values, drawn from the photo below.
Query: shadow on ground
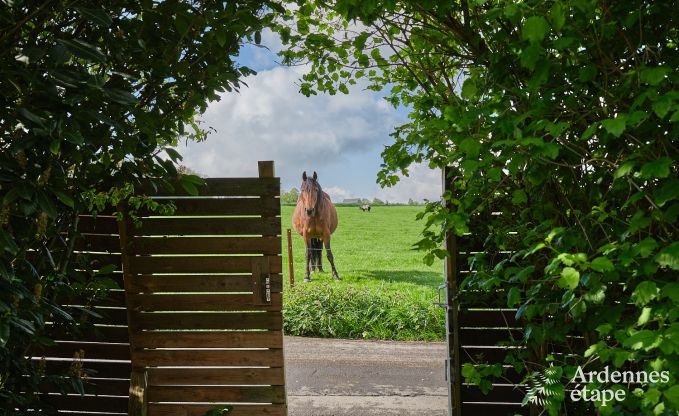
(404, 276)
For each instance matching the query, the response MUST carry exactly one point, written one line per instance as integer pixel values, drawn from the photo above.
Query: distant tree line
(290, 198)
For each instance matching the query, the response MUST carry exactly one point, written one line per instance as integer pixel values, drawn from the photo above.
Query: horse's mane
(309, 187)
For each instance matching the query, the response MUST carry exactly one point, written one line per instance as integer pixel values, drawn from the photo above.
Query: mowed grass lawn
(386, 291)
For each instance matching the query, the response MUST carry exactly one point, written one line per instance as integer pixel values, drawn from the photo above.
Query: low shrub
(368, 313)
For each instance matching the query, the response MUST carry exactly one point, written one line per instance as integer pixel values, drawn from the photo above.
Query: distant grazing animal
(315, 219)
(365, 207)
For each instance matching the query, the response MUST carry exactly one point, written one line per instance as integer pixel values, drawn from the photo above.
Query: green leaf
(31, 117)
(468, 89)
(641, 339)
(64, 198)
(46, 204)
(530, 56)
(558, 16)
(659, 168)
(189, 187)
(97, 16)
(669, 256)
(662, 106)
(671, 290)
(519, 197)
(7, 242)
(471, 146)
(513, 297)
(258, 37)
(645, 292)
(55, 145)
(644, 317)
(614, 126)
(535, 28)
(672, 396)
(602, 264)
(174, 154)
(653, 76)
(570, 278)
(645, 247)
(120, 96)
(4, 333)
(668, 191)
(83, 50)
(623, 170)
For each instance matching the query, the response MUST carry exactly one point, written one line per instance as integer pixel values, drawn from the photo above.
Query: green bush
(369, 313)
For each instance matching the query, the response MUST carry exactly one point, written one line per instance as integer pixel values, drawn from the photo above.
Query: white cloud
(421, 183)
(338, 194)
(271, 120)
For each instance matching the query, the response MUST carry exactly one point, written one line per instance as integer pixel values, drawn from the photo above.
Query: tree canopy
(91, 94)
(561, 113)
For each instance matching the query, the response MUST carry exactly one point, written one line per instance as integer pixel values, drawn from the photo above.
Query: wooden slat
(200, 302)
(208, 245)
(157, 358)
(208, 339)
(156, 409)
(488, 318)
(199, 283)
(224, 187)
(109, 316)
(96, 261)
(199, 264)
(92, 351)
(264, 206)
(117, 334)
(101, 224)
(483, 354)
(117, 404)
(494, 409)
(209, 320)
(499, 393)
(101, 369)
(215, 376)
(270, 226)
(99, 386)
(250, 394)
(488, 336)
(96, 242)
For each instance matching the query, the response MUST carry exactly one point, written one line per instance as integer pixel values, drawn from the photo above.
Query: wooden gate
(479, 328)
(203, 291)
(202, 305)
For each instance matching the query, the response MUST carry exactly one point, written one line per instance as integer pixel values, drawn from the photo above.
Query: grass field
(386, 290)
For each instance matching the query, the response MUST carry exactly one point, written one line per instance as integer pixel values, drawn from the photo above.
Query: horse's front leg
(331, 259)
(308, 258)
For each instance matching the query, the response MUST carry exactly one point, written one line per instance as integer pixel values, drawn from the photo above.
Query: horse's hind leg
(331, 259)
(318, 254)
(308, 259)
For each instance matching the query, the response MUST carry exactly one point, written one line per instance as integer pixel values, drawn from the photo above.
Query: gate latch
(261, 281)
(440, 304)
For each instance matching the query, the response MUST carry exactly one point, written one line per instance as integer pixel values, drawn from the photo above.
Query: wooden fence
(480, 327)
(199, 323)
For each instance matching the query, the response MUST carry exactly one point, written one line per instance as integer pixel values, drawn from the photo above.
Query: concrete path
(327, 377)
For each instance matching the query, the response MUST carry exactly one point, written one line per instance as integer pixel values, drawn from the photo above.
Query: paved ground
(364, 378)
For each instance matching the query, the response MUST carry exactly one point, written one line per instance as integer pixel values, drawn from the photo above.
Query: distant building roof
(351, 201)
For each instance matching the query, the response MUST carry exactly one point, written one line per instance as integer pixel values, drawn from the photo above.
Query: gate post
(291, 266)
(137, 405)
(453, 367)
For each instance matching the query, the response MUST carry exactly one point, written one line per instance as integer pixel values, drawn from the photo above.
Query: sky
(340, 137)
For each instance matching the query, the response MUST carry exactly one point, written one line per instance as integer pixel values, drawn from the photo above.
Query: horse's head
(310, 194)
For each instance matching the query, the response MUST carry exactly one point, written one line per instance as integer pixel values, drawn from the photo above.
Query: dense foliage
(563, 115)
(90, 94)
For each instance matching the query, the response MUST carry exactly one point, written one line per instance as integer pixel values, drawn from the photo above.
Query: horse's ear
(315, 176)
(304, 175)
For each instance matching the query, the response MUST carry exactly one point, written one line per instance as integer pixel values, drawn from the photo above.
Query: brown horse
(315, 219)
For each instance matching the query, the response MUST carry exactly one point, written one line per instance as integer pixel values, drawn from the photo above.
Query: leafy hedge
(369, 313)
(563, 115)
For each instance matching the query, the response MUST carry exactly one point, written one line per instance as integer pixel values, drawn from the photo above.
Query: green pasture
(386, 291)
